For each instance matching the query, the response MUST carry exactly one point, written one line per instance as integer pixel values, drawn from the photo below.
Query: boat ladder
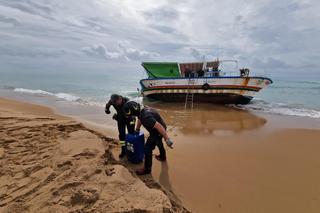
(189, 94)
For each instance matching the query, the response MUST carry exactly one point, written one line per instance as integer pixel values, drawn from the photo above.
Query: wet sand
(236, 161)
(230, 160)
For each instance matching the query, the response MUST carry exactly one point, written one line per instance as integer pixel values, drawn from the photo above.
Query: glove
(107, 111)
(115, 117)
(137, 131)
(169, 143)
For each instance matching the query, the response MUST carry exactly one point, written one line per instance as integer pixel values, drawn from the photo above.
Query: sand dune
(53, 164)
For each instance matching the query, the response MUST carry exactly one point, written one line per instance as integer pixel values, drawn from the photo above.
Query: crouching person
(156, 127)
(123, 121)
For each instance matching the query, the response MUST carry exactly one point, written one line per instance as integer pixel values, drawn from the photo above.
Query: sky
(268, 36)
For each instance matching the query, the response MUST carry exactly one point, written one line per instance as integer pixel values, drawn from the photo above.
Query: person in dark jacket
(154, 124)
(117, 101)
(200, 73)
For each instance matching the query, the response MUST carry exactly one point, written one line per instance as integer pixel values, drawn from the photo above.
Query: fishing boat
(199, 82)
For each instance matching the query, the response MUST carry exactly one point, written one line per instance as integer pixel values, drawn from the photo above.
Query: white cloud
(276, 35)
(8, 20)
(123, 52)
(99, 50)
(135, 54)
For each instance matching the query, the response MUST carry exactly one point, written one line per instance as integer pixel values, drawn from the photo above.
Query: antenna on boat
(218, 56)
(204, 65)
(237, 65)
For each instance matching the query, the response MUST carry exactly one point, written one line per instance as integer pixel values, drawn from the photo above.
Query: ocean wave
(61, 96)
(281, 109)
(70, 97)
(31, 91)
(132, 94)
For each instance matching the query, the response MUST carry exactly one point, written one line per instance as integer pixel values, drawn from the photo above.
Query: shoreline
(54, 163)
(95, 115)
(259, 105)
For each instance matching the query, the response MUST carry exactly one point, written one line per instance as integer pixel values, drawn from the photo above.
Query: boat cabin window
(193, 70)
(190, 69)
(212, 72)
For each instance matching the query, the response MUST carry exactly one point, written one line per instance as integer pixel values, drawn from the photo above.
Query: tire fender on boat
(206, 86)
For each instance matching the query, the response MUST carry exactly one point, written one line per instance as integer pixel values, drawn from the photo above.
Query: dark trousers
(122, 124)
(152, 141)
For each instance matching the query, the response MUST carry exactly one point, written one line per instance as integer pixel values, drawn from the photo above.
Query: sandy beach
(51, 163)
(228, 160)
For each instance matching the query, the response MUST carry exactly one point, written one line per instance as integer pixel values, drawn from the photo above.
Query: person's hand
(107, 111)
(115, 117)
(169, 143)
(137, 131)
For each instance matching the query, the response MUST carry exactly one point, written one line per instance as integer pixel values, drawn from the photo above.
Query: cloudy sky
(69, 35)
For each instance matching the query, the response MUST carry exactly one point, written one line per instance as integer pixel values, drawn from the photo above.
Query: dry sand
(50, 163)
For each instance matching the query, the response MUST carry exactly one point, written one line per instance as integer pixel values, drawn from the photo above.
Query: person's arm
(164, 134)
(138, 125)
(107, 108)
(161, 130)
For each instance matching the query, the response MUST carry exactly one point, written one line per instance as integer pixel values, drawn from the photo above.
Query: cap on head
(131, 108)
(114, 98)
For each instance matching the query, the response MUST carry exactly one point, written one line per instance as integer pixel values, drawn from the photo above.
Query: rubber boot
(142, 171)
(123, 152)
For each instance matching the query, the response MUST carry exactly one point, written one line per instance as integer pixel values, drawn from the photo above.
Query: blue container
(135, 147)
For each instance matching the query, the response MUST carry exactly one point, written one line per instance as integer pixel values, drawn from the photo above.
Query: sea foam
(63, 96)
(281, 109)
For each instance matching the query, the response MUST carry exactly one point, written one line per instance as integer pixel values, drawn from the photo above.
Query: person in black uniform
(117, 101)
(155, 125)
(200, 73)
(187, 72)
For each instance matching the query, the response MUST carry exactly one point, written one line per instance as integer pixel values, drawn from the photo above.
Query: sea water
(295, 95)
